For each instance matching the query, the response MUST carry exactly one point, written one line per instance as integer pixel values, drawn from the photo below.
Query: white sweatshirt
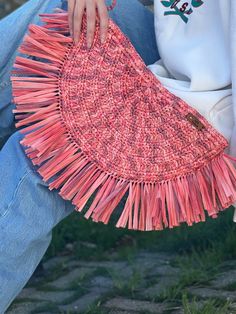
(193, 39)
(194, 47)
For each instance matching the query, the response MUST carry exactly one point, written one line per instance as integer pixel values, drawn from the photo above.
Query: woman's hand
(75, 13)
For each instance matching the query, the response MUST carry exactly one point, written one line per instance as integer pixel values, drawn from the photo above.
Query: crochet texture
(99, 126)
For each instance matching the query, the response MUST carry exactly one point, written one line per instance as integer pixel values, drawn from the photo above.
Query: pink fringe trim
(149, 205)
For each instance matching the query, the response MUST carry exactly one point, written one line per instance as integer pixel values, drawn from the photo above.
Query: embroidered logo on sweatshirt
(183, 10)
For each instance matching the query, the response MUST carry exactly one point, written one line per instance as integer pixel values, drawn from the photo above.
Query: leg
(137, 23)
(12, 29)
(28, 213)
(28, 209)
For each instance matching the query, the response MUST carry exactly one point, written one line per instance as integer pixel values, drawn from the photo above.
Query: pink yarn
(103, 125)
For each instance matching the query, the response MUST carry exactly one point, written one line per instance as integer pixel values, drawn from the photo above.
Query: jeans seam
(15, 192)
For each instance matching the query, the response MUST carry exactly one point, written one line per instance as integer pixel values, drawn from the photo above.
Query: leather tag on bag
(195, 121)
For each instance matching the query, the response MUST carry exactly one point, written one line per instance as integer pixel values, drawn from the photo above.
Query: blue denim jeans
(28, 209)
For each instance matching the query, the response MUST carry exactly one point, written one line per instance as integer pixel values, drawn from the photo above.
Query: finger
(71, 7)
(78, 14)
(91, 20)
(104, 20)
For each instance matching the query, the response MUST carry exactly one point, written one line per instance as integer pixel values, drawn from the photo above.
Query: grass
(126, 286)
(196, 268)
(94, 309)
(217, 233)
(199, 252)
(172, 294)
(231, 287)
(210, 306)
(199, 267)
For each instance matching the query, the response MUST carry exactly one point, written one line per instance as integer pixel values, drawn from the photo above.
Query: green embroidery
(197, 3)
(183, 11)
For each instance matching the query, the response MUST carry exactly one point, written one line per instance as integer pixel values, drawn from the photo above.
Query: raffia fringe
(149, 205)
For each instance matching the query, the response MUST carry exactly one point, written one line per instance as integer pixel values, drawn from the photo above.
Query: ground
(146, 282)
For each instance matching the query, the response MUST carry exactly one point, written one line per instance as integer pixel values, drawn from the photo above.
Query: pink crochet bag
(99, 125)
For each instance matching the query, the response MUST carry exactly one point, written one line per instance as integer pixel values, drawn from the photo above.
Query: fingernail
(103, 39)
(89, 44)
